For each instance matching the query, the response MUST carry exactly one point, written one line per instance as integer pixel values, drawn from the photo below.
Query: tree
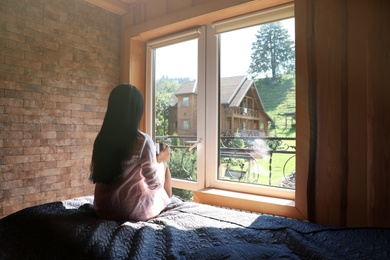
(273, 51)
(165, 87)
(164, 92)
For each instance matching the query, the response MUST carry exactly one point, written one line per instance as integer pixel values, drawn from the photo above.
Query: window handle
(195, 144)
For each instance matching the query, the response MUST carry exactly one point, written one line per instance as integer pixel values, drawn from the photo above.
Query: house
(60, 59)
(241, 109)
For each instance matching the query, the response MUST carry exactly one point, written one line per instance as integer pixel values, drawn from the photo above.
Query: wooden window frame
(133, 69)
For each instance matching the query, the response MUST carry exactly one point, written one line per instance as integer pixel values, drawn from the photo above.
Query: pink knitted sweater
(139, 194)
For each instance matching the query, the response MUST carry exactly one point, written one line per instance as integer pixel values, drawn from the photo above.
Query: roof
(233, 89)
(189, 87)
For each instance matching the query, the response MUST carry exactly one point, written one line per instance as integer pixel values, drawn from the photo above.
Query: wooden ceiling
(119, 7)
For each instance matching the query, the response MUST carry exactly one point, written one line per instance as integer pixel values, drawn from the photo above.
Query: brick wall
(58, 62)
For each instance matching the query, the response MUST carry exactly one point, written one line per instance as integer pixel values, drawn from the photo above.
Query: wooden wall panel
(162, 21)
(140, 13)
(305, 67)
(330, 40)
(156, 8)
(178, 5)
(378, 111)
(357, 116)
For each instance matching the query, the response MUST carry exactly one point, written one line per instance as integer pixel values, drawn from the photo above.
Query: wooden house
(241, 109)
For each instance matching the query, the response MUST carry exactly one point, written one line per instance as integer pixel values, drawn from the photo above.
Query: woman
(132, 182)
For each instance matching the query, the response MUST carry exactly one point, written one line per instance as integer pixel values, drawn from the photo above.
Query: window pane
(186, 101)
(175, 105)
(257, 105)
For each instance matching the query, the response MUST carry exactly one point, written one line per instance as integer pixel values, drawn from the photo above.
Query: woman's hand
(164, 155)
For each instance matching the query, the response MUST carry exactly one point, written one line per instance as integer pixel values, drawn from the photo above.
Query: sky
(180, 60)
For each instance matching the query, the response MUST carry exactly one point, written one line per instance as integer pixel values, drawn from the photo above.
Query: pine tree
(273, 51)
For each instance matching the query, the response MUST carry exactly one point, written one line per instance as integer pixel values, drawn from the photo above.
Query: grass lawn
(282, 166)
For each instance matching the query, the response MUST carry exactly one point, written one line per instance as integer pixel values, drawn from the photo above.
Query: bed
(185, 230)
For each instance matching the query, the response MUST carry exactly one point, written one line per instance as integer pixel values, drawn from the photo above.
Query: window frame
(186, 101)
(212, 103)
(191, 34)
(185, 124)
(133, 70)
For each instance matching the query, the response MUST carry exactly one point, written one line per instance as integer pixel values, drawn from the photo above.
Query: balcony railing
(266, 161)
(242, 111)
(243, 132)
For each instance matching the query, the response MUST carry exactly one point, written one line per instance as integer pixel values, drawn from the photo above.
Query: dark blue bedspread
(186, 230)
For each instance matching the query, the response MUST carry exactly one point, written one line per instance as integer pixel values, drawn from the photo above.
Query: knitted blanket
(185, 230)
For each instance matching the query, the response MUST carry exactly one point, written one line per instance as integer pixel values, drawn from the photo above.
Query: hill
(278, 97)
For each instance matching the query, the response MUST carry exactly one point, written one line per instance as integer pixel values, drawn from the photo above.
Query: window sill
(248, 202)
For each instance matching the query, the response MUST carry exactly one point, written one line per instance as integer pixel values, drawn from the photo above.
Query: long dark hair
(118, 134)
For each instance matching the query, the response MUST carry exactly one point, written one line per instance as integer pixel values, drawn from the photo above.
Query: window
(231, 122)
(186, 125)
(256, 83)
(173, 79)
(186, 101)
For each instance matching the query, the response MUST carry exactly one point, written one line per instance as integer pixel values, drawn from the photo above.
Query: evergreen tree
(273, 51)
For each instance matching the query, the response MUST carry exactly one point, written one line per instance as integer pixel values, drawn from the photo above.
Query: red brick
(20, 93)
(39, 150)
(38, 180)
(64, 149)
(13, 52)
(22, 62)
(54, 186)
(14, 102)
(12, 151)
(10, 168)
(34, 197)
(32, 103)
(21, 159)
(7, 185)
(10, 135)
(31, 127)
(41, 135)
(42, 167)
(58, 113)
(31, 142)
(13, 201)
(55, 157)
(21, 191)
(84, 141)
(20, 111)
(69, 106)
(65, 163)
(58, 142)
(38, 118)
(54, 171)
(46, 42)
(42, 75)
(11, 118)
(56, 98)
(95, 121)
